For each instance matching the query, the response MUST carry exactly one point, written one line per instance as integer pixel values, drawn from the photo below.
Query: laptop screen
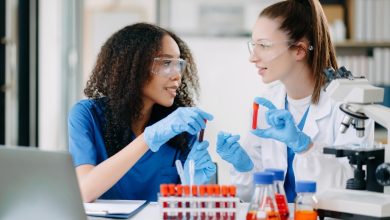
(36, 184)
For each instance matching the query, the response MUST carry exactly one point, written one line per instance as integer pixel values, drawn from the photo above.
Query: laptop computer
(36, 184)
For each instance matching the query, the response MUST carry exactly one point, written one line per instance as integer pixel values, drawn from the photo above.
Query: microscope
(367, 194)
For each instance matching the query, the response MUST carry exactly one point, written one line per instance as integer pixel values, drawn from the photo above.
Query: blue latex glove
(265, 102)
(183, 119)
(284, 129)
(230, 150)
(204, 166)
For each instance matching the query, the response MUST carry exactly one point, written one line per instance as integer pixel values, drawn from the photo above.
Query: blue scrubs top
(142, 181)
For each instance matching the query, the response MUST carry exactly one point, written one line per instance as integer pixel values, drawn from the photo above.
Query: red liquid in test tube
(164, 192)
(225, 192)
(202, 205)
(194, 205)
(179, 192)
(255, 113)
(282, 206)
(232, 193)
(210, 205)
(217, 194)
(187, 204)
(172, 192)
(201, 133)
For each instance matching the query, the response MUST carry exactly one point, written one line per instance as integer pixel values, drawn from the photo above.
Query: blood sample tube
(187, 204)
(232, 193)
(172, 192)
(194, 189)
(255, 113)
(225, 193)
(217, 194)
(210, 205)
(179, 193)
(202, 205)
(201, 133)
(164, 192)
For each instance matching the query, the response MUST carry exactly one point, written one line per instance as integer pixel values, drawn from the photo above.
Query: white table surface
(151, 211)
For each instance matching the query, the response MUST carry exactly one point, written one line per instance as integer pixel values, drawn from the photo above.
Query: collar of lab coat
(316, 112)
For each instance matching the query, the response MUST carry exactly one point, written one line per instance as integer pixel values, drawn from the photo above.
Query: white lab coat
(322, 125)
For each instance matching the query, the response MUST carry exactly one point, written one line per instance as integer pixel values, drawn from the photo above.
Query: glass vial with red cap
(263, 205)
(280, 194)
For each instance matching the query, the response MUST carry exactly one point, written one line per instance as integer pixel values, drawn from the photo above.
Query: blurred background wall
(48, 49)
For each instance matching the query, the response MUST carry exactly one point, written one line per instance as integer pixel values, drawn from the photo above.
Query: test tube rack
(198, 202)
(174, 207)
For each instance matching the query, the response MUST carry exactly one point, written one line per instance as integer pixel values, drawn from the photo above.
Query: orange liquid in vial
(271, 215)
(305, 215)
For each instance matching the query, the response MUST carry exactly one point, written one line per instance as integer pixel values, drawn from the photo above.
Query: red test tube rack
(207, 204)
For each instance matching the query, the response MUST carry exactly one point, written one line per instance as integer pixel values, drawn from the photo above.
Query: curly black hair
(122, 69)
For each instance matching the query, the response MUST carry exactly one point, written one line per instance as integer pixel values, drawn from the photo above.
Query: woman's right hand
(183, 119)
(230, 150)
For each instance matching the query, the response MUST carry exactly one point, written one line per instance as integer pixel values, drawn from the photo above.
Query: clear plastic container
(306, 202)
(280, 194)
(263, 205)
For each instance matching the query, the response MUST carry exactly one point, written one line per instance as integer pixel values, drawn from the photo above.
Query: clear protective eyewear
(168, 66)
(267, 50)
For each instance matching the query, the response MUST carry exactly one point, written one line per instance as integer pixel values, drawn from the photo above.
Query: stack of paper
(121, 209)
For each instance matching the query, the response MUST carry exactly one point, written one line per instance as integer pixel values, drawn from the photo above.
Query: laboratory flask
(263, 205)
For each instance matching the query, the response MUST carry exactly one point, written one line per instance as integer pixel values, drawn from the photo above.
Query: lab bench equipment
(263, 204)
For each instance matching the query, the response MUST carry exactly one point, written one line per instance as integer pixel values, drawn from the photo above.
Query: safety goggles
(267, 50)
(168, 66)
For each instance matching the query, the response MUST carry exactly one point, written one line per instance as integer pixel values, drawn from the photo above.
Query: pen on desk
(201, 133)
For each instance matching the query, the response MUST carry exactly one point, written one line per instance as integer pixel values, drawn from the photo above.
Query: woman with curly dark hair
(139, 117)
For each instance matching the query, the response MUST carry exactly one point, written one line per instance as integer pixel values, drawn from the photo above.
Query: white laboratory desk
(152, 212)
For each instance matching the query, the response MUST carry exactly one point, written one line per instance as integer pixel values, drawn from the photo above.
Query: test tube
(210, 205)
(187, 204)
(225, 192)
(164, 192)
(217, 194)
(201, 133)
(255, 113)
(232, 193)
(194, 190)
(202, 205)
(179, 192)
(172, 204)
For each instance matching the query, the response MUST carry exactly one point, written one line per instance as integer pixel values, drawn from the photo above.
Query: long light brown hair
(306, 19)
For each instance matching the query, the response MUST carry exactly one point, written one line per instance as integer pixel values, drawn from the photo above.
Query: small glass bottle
(263, 205)
(280, 194)
(306, 202)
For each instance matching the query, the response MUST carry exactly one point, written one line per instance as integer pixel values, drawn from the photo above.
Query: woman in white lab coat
(291, 47)
(322, 126)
